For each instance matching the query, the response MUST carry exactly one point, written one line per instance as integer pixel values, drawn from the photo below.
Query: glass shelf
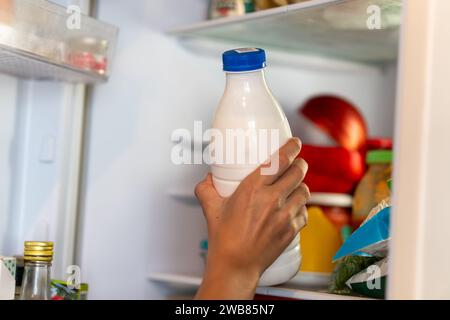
(41, 40)
(293, 289)
(329, 28)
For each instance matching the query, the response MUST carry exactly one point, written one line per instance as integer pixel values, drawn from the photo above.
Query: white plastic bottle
(247, 110)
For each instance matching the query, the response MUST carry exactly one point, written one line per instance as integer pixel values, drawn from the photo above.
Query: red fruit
(338, 118)
(335, 162)
(332, 169)
(328, 184)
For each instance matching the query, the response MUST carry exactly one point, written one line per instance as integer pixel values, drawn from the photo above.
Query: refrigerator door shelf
(44, 41)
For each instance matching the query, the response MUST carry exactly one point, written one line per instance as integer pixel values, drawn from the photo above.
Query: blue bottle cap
(244, 59)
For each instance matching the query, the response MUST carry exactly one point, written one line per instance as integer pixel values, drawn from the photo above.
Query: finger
(293, 207)
(292, 178)
(279, 162)
(301, 220)
(208, 197)
(297, 200)
(297, 221)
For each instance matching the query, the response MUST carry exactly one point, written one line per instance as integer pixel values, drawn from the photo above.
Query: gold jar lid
(38, 251)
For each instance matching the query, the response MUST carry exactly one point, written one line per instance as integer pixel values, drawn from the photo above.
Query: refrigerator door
(40, 145)
(42, 167)
(8, 97)
(42, 124)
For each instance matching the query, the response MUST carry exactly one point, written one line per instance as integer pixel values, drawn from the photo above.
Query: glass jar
(38, 256)
(373, 187)
(36, 281)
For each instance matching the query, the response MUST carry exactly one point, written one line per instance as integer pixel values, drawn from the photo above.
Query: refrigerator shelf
(293, 289)
(336, 29)
(44, 41)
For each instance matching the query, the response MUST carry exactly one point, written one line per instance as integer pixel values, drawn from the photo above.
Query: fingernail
(305, 164)
(298, 144)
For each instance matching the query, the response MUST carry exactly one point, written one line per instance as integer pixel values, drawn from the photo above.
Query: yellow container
(319, 240)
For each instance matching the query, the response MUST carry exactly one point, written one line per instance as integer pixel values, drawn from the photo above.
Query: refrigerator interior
(136, 213)
(139, 215)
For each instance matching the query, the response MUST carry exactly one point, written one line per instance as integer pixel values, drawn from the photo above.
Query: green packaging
(370, 282)
(60, 290)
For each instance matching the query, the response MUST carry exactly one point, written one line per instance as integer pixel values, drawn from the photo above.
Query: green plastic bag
(346, 268)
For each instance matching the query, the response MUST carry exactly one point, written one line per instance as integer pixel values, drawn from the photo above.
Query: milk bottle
(250, 126)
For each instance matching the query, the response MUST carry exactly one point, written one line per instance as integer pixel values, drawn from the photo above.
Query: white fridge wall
(131, 223)
(8, 94)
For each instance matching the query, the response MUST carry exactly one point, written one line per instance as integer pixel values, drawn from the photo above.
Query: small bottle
(38, 256)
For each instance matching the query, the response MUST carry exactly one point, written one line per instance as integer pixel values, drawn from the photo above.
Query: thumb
(209, 199)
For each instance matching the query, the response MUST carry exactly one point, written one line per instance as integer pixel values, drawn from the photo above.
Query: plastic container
(329, 214)
(37, 43)
(230, 8)
(88, 53)
(373, 187)
(268, 4)
(336, 207)
(251, 126)
(379, 143)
